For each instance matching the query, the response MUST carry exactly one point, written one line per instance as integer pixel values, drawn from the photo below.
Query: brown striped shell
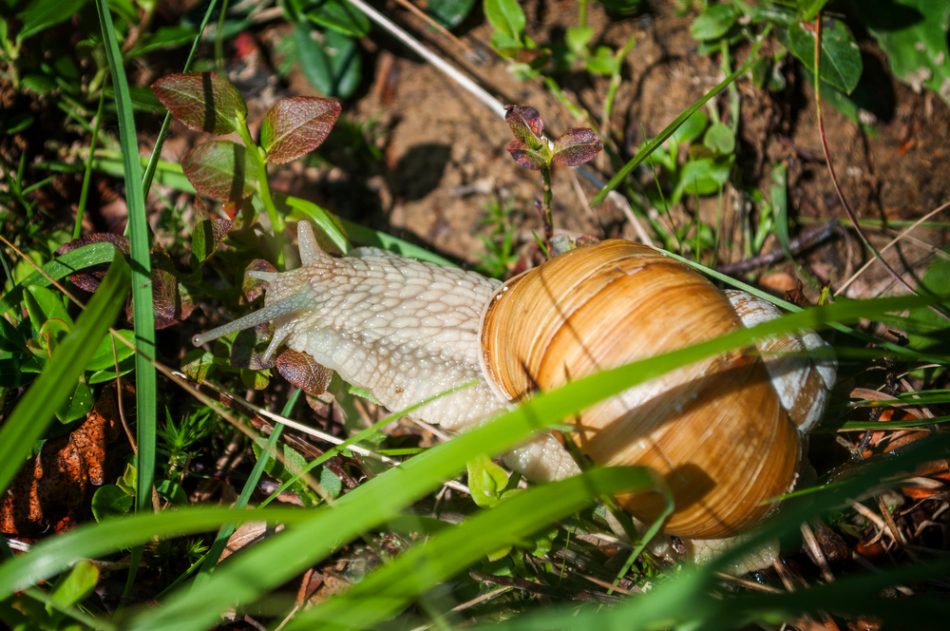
(715, 430)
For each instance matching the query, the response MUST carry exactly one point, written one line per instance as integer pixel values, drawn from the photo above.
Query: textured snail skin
(407, 330)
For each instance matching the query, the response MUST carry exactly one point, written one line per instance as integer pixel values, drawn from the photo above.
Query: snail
(725, 433)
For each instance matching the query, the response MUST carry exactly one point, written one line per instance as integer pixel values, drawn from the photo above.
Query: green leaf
(77, 405)
(701, 177)
(778, 196)
(77, 585)
(506, 17)
(332, 66)
(720, 139)
(486, 480)
(37, 407)
(103, 358)
(714, 22)
(913, 33)
(221, 169)
(449, 13)
(165, 37)
(577, 38)
(341, 17)
(331, 482)
(110, 501)
(39, 15)
(295, 126)
(603, 62)
(203, 101)
(690, 130)
(841, 64)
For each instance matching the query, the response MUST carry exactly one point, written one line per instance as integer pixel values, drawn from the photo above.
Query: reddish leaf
(302, 371)
(576, 146)
(220, 169)
(526, 124)
(525, 157)
(296, 126)
(89, 279)
(203, 101)
(207, 235)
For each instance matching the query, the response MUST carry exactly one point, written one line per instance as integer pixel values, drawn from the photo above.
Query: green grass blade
(59, 268)
(650, 146)
(142, 307)
(57, 554)
(254, 572)
(51, 389)
(392, 587)
(250, 485)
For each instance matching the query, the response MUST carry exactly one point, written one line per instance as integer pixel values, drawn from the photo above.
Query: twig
(805, 241)
(834, 177)
(422, 15)
(453, 73)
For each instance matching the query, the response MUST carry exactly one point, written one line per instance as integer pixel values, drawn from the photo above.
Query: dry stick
(481, 94)
(422, 15)
(834, 177)
(893, 242)
(806, 240)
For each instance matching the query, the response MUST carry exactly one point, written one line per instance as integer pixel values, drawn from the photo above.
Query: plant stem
(548, 196)
(256, 153)
(87, 169)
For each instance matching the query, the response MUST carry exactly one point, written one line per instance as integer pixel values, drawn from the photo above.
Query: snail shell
(716, 430)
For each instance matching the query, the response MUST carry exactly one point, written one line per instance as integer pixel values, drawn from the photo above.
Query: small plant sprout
(229, 172)
(531, 149)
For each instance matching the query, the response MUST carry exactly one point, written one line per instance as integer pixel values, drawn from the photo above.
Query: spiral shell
(715, 430)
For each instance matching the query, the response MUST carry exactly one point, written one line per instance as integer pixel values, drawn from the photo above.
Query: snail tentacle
(279, 309)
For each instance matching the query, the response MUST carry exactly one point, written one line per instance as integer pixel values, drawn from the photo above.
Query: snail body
(723, 433)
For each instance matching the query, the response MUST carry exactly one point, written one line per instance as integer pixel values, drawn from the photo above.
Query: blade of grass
(56, 554)
(392, 587)
(142, 307)
(249, 575)
(87, 168)
(900, 351)
(650, 146)
(221, 540)
(51, 389)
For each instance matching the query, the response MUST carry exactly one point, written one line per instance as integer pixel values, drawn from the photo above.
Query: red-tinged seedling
(532, 150)
(229, 172)
(295, 126)
(203, 101)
